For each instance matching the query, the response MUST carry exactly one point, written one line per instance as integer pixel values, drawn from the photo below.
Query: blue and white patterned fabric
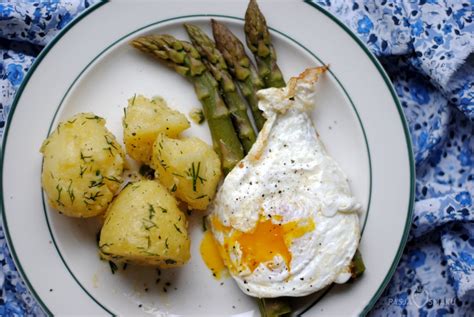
(427, 47)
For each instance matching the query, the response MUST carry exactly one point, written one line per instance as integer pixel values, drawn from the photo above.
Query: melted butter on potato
(144, 119)
(82, 166)
(144, 226)
(188, 167)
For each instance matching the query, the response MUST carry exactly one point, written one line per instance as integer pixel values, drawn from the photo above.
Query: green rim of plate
(371, 57)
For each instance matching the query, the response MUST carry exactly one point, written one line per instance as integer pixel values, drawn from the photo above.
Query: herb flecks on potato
(82, 166)
(145, 226)
(188, 167)
(143, 120)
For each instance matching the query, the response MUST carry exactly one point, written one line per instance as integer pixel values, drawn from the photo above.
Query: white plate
(91, 67)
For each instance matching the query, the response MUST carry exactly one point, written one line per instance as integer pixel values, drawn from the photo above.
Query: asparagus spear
(215, 63)
(357, 265)
(273, 307)
(185, 60)
(259, 42)
(240, 67)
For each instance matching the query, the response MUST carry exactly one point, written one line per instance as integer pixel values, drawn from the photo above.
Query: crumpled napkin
(426, 46)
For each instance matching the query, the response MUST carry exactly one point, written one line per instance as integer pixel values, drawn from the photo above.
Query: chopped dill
(58, 200)
(112, 179)
(70, 192)
(110, 141)
(82, 171)
(86, 157)
(93, 197)
(193, 172)
(113, 267)
(151, 211)
(94, 118)
(97, 183)
(177, 229)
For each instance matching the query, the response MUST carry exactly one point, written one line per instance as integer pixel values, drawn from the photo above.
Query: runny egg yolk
(263, 243)
(209, 250)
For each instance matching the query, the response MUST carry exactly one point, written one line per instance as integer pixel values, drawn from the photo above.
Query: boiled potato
(188, 167)
(144, 226)
(144, 119)
(82, 166)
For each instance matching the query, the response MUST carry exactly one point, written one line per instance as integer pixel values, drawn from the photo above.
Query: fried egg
(284, 220)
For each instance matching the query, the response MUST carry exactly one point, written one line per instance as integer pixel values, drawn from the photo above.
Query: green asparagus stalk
(240, 67)
(357, 265)
(273, 307)
(259, 42)
(215, 63)
(185, 60)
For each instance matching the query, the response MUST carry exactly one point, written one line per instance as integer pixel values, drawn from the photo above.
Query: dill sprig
(112, 179)
(93, 118)
(97, 183)
(82, 170)
(193, 172)
(177, 228)
(110, 141)
(113, 267)
(58, 200)
(93, 196)
(151, 211)
(86, 157)
(70, 192)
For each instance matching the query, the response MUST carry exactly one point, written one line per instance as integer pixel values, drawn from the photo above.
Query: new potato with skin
(145, 226)
(143, 120)
(188, 167)
(82, 166)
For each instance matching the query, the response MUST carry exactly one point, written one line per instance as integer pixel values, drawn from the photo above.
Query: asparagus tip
(216, 27)
(253, 8)
(188, 26)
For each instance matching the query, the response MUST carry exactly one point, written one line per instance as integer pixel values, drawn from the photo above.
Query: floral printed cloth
(426, 46)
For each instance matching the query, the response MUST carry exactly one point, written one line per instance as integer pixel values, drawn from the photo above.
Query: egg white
(288, 176)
